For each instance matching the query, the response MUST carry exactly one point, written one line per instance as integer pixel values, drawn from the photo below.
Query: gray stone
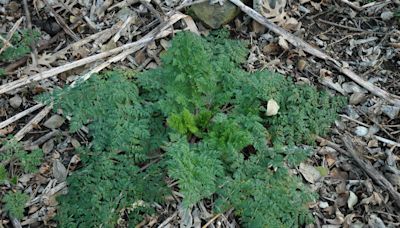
(215, 15)
(54, 122)
(15, 101)
(361, 131)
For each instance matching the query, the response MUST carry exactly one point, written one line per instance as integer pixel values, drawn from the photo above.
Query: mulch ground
(354, 170)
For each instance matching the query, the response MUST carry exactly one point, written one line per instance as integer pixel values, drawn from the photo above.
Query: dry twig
(299, 43)
(18, 116)
(375, 175)
(10, 34)
(34, 121)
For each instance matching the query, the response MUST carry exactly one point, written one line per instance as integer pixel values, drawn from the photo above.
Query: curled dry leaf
(272, 107)
(59, 171)
(352, 200)
(274, 10)
(374, 199)
(283, 43)
(292, 24)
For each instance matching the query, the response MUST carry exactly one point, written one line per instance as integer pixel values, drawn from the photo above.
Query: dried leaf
(48, 146)
(283, 43)
(274, 10)
(352, 200)
(310, 173)
(59, 171)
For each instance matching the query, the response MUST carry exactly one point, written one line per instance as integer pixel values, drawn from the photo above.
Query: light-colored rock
(15, 101)
(215, 15)
(361, 131)
(54, 122)
(356, 98)
(272, 107)
(310, 173)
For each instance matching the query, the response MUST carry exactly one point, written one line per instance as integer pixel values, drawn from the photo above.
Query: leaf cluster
(14, 203)
(204, 118)
(108, 185)
(14, 152)
(28, 162)
(20, 41)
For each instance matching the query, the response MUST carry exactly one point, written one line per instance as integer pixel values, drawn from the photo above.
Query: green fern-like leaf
(21, 41)
(204, 120)
(14, 203)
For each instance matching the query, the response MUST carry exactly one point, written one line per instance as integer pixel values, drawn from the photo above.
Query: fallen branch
(299, 43)
(374, 174)
(158, 32)
(69, 66)
(34, 121)
(6, 41)
(18, 116)
(57, 70)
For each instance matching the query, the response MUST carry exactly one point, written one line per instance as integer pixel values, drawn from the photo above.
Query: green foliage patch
(201, 120)
(14, 203)
(20, 41)
(15, 153)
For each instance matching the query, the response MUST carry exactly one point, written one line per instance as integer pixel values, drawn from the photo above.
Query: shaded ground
(366, 38)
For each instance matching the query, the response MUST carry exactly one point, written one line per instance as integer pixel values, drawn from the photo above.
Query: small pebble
(15, 101)
(323, 205)
(356, 98)
(54, 122)
(361, 131)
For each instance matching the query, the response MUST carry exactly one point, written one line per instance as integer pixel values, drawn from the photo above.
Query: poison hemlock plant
(2, 72)
(28, 161)
(14, 203)
(205, 120)
(21, 41)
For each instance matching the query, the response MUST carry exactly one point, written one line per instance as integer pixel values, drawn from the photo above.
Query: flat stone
(215, 15)
(15, 101)
(54, 122)
(361, 131)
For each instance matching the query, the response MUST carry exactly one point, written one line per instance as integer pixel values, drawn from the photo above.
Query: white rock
(272, 107)
(352, 200)
(323, 205)
(361, 131)
(15, 101)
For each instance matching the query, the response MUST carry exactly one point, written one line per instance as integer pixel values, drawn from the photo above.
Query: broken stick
(299, 43)
(374, 174)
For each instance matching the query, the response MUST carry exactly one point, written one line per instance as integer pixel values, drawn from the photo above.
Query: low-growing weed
(201, 120)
